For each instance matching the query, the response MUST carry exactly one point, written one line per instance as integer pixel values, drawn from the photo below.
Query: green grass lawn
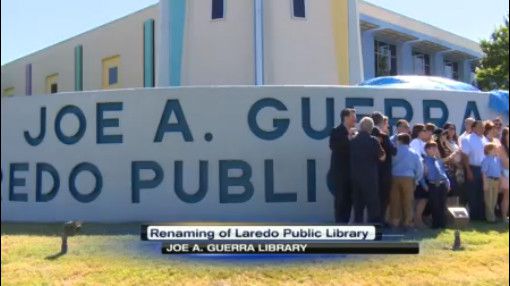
(114, 254)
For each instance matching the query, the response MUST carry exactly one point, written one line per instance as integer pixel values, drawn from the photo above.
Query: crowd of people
(410, 178)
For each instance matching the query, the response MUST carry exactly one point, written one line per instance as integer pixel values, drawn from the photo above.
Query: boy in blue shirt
(491, 172)
(436, 183)
(407, 170)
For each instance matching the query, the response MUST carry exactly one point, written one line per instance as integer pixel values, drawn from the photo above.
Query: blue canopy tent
(419, 82)
(498, 100)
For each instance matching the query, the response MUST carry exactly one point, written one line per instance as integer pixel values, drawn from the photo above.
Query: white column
(259, 41)
(356, 74)
(368, 54)
(405, 59)
(163, 45)
(465, 71)
(437, 61)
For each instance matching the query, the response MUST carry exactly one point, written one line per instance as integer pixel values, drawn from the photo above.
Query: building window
(112, 75)
(218, 9)
(421, 63)
(111, 69)
(298, 8)
(54, 88)
(385, 59)
(451, 70)
(52, 83)
(9, 91)
(472, 75)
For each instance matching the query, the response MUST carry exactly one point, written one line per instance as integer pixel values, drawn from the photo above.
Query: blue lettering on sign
(40, 169)
(17, 182)
(102, 123)
(85, 166)
(353, 102)
(271, 196)
(138, 184)
(202, 186)
(330, 117)
(34, 141)
(311, 180)
(391, 103)
(243, 185)
(173, 106)
(82, 125)
(428, 105)
(472, 110)
(280, 125)
(241, 181)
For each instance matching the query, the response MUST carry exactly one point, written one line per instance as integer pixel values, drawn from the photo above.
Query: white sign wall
(190, 154)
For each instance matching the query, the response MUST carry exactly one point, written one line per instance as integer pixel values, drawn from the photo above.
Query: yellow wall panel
(9, 91)
(340, 15)
(51, 79)
(108, 63)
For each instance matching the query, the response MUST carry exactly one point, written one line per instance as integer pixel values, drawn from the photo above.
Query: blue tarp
(419, 82)
(498, 101)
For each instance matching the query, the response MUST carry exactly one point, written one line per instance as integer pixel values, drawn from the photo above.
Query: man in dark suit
(339, 172)
(380, 131)
(366, 153)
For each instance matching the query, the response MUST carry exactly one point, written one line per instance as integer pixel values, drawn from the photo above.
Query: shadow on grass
(55, 229)
(55, 256)
(475, 226)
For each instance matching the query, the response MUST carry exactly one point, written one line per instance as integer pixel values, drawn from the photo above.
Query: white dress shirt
(418, 146)
(461, 137)
(472, 145)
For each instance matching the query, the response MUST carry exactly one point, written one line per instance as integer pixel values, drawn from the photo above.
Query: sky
(30, 25)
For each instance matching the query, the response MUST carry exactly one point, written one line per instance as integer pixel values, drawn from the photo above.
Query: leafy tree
(492, 72)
